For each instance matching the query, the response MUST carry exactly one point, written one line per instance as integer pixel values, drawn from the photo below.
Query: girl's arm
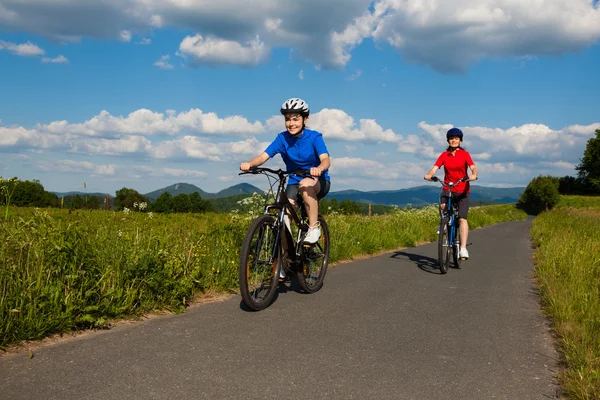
(431, 172)
(474, 172)
(255, 162)
(325, 164)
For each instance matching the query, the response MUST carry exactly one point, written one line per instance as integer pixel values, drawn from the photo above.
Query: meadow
(61, 271)
(567, 260)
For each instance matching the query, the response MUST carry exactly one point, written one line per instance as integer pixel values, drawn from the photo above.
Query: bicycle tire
(443, 248)
(315, 258)
(258, 275)
(456, 247)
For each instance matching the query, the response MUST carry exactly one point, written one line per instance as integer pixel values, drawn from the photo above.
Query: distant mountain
(242, 188)
(66, 194)
(423, 195)
(186, 188)
(178, 188)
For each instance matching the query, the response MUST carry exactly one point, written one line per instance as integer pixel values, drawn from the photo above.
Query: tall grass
(568, 270)
(61, 271)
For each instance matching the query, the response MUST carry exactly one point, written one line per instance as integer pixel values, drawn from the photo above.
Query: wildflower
(119, 233)
(126, 210)
(150, 215)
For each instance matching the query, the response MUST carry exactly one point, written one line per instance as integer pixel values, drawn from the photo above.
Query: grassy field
(568, 270)
(61, 271)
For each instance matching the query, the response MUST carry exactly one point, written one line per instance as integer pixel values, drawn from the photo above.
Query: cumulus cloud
(336, 124)
(156, 172)
(144, 41)
(141, 122)
(82, 167)
(125, 36)
(359, 168)
(215, 51)
(525, 143)
(450, 35)
(163, 63)
(56, 60)
(25, 49)
(447, 35)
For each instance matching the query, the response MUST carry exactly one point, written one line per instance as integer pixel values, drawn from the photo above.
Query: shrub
(540, 195)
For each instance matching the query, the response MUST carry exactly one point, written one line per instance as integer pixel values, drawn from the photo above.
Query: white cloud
(125, 36)
(354, 76)
(447, 35)
(144, 41)
(56, 60)
(163, 63)
(140, 122)
(301, 75)
(359, 168)
(25, 49)
(450, 35)
(336, 124)
(156, 172)
(78, 167)
(215, 51)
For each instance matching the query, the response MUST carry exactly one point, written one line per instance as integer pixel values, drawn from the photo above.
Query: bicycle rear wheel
(260, 263)
(315, 259)
(443, 247)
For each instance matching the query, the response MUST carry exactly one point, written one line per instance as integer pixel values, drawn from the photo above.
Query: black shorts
(461, 201)
(292, 191)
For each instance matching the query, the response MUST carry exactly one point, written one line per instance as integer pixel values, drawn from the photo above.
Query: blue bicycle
(449, 232)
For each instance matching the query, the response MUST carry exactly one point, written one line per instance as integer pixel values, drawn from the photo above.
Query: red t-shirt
(455, 167)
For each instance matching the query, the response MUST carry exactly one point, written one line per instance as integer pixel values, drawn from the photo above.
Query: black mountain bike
(449, 232)
(269, 246)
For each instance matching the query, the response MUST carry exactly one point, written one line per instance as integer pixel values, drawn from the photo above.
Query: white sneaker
(464, 253)
(282, 274)
(313, 235)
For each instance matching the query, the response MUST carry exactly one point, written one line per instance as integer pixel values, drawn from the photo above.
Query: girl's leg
(309, 188)
(464, 232)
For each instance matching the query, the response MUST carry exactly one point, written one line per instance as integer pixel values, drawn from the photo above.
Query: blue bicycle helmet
(454, 132)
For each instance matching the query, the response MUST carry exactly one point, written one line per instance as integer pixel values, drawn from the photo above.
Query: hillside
(422, 195)
(178, 188)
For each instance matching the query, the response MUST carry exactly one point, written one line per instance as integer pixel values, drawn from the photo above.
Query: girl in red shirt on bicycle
(456, 162)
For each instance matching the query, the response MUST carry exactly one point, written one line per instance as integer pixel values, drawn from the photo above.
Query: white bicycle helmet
(295, 105)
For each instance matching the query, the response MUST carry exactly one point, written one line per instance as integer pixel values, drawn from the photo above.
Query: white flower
(126, 210)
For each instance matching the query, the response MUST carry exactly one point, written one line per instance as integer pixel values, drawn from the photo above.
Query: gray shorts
(461, 201)
(292, 191)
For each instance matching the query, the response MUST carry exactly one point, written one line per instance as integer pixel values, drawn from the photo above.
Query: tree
(182, 203)
(163, 204)
(126, 197)
(589, 168)
(541, 194)
(199, 205)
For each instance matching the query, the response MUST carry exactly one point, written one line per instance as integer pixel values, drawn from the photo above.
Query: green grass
(568, 270)
(62, 271)
(579, 202)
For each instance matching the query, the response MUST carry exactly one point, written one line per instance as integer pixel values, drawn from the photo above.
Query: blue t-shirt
(299, 152)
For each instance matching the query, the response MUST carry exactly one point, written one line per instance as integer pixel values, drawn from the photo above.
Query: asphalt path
(387, 327)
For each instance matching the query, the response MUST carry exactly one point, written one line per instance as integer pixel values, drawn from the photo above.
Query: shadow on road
(289, 285)
(424, 263)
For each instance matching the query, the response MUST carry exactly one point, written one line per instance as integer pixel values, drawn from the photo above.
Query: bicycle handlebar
(465, 179)
(259, 170)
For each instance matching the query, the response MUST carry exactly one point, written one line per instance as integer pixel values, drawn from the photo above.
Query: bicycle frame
(283, 206)
(450, 209)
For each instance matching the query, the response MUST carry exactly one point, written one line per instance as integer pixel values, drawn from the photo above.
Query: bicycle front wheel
(456, 247)
(443, 247)
(315, 259)
(260, 263)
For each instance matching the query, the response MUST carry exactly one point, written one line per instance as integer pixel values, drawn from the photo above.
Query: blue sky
(147, 93)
